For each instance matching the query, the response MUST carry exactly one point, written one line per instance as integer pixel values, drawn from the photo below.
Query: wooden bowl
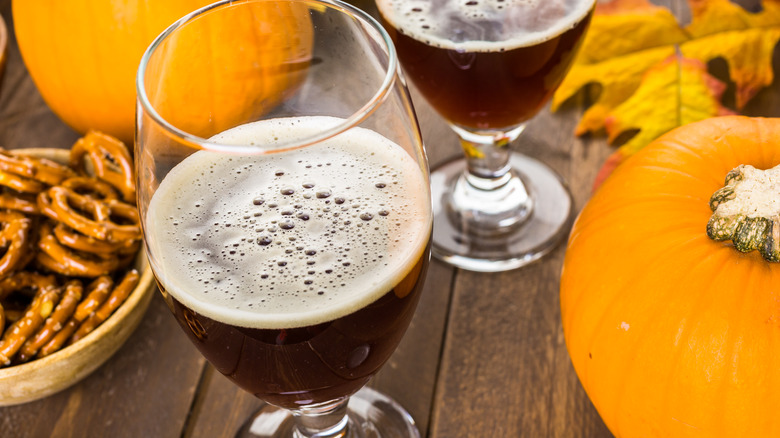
(42, 377)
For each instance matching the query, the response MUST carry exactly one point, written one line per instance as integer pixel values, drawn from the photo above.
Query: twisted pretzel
(128, 255)
(16, 335)
(110, 159)
(66, 261)
(54, 323)
(111, 220)
(91, 187)
(37, 169)
(21, 280)
(97, 292)
(15, 239)
(75, 240)
(118, 296)
(94, 233)
(13, 315)
(20, 183)
(19, 202)
(26, 284)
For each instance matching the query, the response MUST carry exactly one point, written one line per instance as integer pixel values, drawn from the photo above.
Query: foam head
(483, 25)
(288, 239)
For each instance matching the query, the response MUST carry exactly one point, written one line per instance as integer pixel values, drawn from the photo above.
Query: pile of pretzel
(67, 235)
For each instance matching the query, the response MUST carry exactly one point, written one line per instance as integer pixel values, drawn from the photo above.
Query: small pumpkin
(674, 333)
(83, 55)
(3, 46)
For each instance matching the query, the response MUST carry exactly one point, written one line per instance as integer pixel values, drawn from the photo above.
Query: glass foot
(371, 414)
(547, 224)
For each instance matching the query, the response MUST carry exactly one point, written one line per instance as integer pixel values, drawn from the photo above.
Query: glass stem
(325, 420)
(489, 197)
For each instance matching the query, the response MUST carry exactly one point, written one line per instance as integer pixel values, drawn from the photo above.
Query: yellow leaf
(722, 29)
(675, 92)
(625, 39)
(749, 53)
(622, 31)
(623, 27)
(619, 78)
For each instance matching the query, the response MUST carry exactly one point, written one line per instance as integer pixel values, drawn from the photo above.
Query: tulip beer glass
(285, 205)
(488, 66)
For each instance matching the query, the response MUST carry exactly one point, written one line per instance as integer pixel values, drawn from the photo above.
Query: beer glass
(487, 67)
(284, 196)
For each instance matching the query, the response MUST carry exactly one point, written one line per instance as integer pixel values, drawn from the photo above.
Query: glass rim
(143, 103)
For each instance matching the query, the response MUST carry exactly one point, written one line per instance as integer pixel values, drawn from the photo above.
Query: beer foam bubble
(288, 239)
(483, 25)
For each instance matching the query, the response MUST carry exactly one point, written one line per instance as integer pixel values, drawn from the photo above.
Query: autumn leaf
(721, 29)
(626, 38)
(629, 37)
(680, 91)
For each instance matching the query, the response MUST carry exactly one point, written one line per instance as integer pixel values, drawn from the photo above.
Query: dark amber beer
(486, 64)
(294, 273)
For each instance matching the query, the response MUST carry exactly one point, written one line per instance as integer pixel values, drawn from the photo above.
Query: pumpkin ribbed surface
(83, 55)
(673, 334)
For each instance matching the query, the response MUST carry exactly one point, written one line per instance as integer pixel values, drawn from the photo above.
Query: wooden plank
(497, 364)
(410, 375)
(504, 356)
(221, 408)
(572, 414)
(153, 377)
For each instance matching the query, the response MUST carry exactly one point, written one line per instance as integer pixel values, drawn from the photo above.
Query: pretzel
(118, 296)
(40, 170)
(54, 323)
(111, 161)
(96, 295)
(111, 220)
(95, 231)
(127, 256)
(75, 240)
(13, 315)
(63, 260)
(21, 280)
(19, 202)
(20, 183)
(91, 187)
(14, 239)
(16, 335)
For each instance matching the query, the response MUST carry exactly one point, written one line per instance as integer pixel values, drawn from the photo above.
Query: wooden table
(484, 356)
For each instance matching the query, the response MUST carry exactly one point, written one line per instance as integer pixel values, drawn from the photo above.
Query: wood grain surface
(484, 356)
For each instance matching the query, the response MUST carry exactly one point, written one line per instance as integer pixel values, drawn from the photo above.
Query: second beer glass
(488, 66)
(285, 204)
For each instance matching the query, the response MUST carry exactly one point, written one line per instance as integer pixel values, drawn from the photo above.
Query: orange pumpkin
(672, 333)
(83, 54)
(3, 46)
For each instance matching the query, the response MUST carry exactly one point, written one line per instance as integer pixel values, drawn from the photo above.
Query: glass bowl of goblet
(285, 203)
(487, 67)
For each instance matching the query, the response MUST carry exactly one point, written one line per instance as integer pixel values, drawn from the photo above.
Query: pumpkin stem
(747, 211)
